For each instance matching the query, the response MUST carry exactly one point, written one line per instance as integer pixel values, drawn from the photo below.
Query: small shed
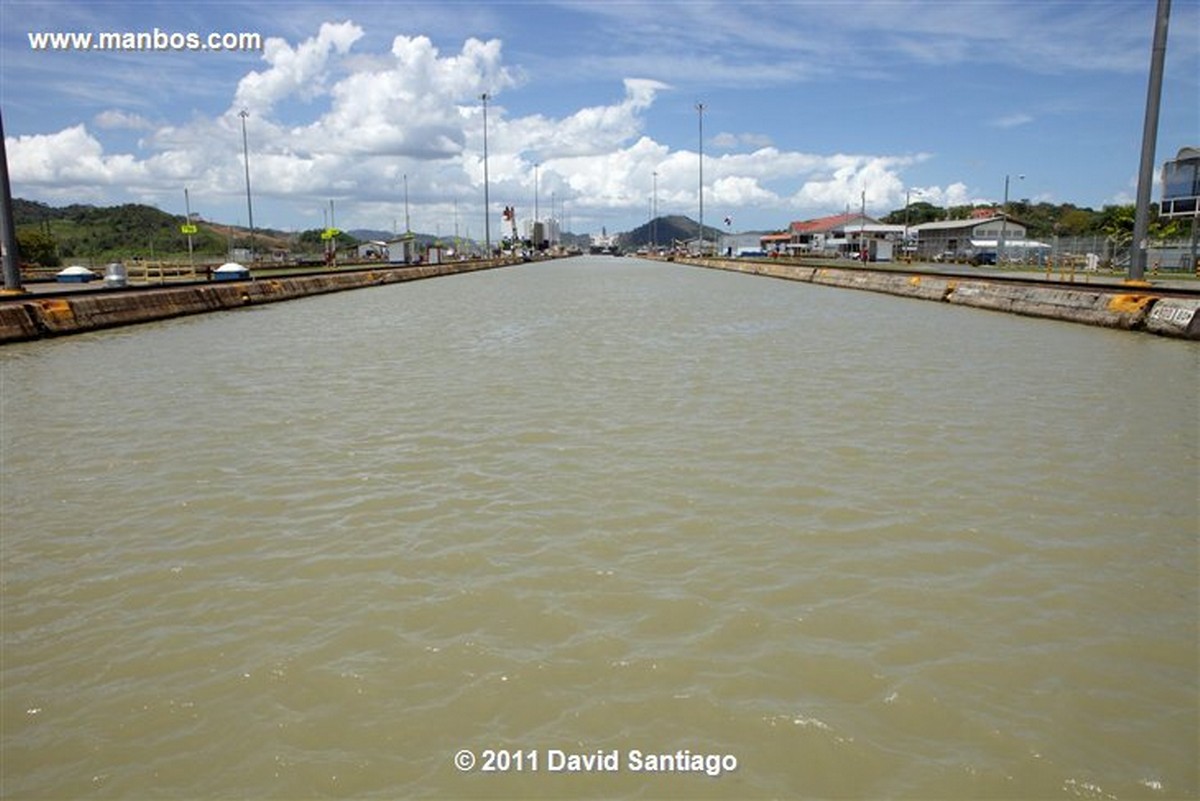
(402, 249)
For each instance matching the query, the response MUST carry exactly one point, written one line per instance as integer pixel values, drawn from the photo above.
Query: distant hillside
(375, 235)
(665, 231)
(51, 236)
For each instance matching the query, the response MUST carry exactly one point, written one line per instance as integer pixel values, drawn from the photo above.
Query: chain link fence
(1104, 253)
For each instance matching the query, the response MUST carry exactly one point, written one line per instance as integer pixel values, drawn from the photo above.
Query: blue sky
(808, 105)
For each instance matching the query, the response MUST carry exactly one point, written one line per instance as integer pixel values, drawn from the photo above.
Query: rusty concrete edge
(1131, 310)
(1138, 309)
(30, 317)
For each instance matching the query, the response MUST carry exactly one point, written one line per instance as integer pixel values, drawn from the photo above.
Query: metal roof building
(961, 239)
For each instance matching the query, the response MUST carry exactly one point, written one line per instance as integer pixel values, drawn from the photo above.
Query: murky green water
(824, 543)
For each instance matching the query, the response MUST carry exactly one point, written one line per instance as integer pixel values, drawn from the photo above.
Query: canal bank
(31, 317)
(1133, 308)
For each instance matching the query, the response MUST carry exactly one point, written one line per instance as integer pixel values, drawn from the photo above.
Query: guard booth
(1181, 184)
(402, 250)
(1181, 197)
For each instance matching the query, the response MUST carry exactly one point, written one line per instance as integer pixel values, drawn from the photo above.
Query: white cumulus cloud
(115, 119)
(294, 70)
(413, 113)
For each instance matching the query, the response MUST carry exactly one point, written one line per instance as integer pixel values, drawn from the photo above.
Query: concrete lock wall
(31, 317)
(1138, 309)
(1176, 317)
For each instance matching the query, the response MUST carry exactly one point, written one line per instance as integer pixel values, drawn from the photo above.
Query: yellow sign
(330, 233)
(188, 229)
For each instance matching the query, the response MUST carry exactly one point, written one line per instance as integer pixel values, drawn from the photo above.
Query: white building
(962, 240)
(402, 249)
(375, 249)
(545, 230)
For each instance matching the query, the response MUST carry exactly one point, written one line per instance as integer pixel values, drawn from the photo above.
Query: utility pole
(654, 214)
(487, 223)
(862, 229)
(700, 114)
(331, 258)
(407, 226)
(187, 207)
(1004, 222)
(1141, 220)
(8, 232)
(249, 207)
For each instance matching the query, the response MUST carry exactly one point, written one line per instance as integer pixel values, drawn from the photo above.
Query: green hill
(666, 231)
(52, 236)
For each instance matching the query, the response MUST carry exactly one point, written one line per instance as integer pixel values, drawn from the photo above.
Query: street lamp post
(8, 231)
(654, 215)
(1004, 221)
(700, 239)
(1141, 218)
(407, 224)
(187, 208)
(907, 202)
(487, 223)
(862, 230)
(249, 206)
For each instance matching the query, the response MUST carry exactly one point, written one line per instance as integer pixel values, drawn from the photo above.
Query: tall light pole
(8, 231)
(249, 206)
(1004, 221)
(654, 214)
(907, 202)
(1141, 219)
(407, 224)
(187, 208)
(487, 223)
(862, 229)
(700, 115)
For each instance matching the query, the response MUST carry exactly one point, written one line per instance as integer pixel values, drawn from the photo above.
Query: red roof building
(824, 225)
(827, 233)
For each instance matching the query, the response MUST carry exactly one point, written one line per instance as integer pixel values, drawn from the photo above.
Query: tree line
(1046, 220)
(49, 235)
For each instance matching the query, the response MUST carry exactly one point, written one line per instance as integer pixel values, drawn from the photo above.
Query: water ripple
(867, 546)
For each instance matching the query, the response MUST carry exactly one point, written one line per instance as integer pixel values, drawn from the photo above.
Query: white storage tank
(231, 271)
(115, 275)
(75, 275)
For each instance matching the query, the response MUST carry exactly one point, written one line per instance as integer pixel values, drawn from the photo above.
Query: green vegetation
(52, 236)
(1044, 220)
(310, 241)
(666, 231)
